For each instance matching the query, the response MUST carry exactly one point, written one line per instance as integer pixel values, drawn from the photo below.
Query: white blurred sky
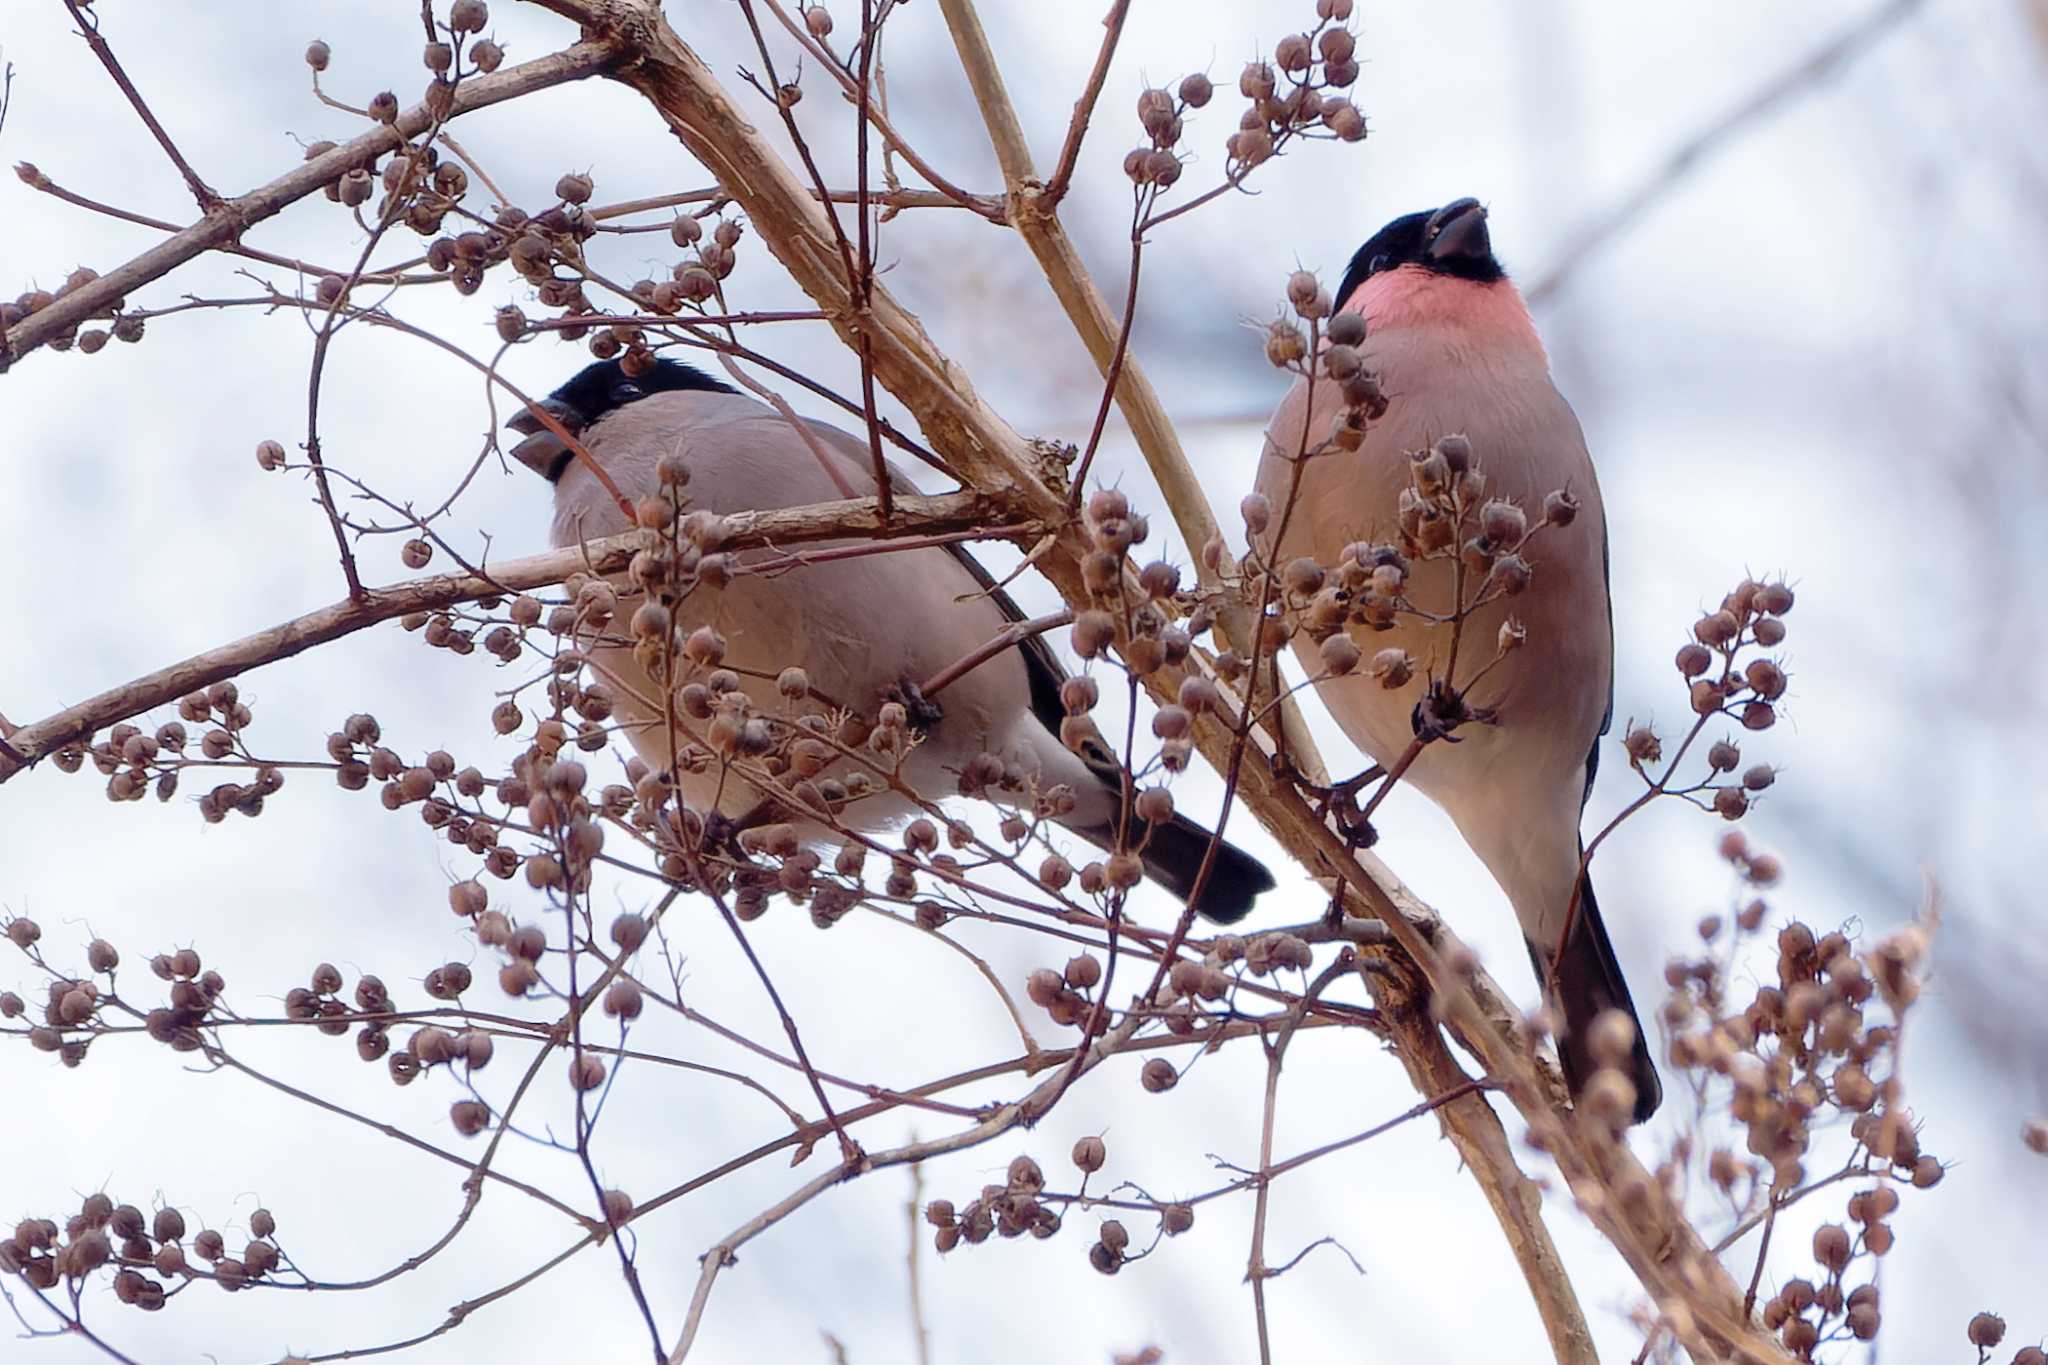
(1819, 354)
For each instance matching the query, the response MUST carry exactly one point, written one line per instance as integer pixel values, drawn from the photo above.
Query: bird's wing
(1042, 667)
(1607, 719)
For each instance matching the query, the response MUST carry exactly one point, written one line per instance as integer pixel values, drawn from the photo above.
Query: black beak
(542, 451)
(1458, 229)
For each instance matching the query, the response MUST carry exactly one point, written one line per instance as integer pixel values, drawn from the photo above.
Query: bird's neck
(1488, 315)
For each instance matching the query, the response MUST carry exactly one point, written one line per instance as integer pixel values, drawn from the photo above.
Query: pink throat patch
(1409, 296)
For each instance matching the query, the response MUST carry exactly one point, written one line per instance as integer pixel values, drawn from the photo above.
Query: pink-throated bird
(1454, 351)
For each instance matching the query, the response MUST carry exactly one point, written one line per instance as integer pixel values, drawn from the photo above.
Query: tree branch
(1033, 215)
(1476, 1131)
(228, 220)
(914, 515)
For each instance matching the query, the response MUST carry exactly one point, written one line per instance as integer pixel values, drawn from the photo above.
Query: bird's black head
(1451, 240)
(597, 390)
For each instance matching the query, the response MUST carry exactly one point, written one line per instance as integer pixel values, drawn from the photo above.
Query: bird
(863, 629)
(1455, 353)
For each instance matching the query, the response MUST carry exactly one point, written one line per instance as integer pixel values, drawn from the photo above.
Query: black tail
(1173, 856)
(1589, 980)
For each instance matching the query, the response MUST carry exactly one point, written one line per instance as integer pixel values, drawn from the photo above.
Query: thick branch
(859, 517)
(1033, 215)
(228, 220)
(1476, 1131)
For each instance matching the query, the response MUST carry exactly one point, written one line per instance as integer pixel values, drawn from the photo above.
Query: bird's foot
(924, 713)
(1340, 800)
(721, 835)
(1441, 710)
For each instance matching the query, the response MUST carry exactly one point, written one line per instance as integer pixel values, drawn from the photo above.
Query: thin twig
(89, 29)
(1084, 107)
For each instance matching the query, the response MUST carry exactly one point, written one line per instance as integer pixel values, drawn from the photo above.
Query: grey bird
(863, 629)
(1455, 352)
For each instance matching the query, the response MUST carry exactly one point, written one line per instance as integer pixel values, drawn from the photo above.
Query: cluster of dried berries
(1065, 995)
(444, 793)
(1150, 636)
(1011, 1209)
(419, 189)
(1160, 113)
(1295, 94)
(194, 994)
(546, 249)
(1445, 517)
(1725, 681)
(125, 326)
(1022, 1204)
(1321, 345)
(72, 1005)
(1796, 1050)
(135, 762)
(118, 1237)
(1790, 1057)
(1986, 1330)
(1193, 987)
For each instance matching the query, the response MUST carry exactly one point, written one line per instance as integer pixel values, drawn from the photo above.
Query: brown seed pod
(517, 977)
(1158, 1076)
(1831, 1247)
(1083, 971)
(1986, 1330)
(623, 999)
(470, 1117)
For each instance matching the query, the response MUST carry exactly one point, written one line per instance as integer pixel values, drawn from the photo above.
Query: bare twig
(89, 29)
(1084, 107)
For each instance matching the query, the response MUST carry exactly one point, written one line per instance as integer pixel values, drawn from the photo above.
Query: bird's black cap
(1451, 240)
(597, 390)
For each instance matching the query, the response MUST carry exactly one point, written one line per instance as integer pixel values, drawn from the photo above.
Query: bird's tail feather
(1173, 857)
(1589, 980)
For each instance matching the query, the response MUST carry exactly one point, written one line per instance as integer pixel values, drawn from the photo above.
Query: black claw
(1341, 799)
(922, 711)
(721, 834)
(1442, 710)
